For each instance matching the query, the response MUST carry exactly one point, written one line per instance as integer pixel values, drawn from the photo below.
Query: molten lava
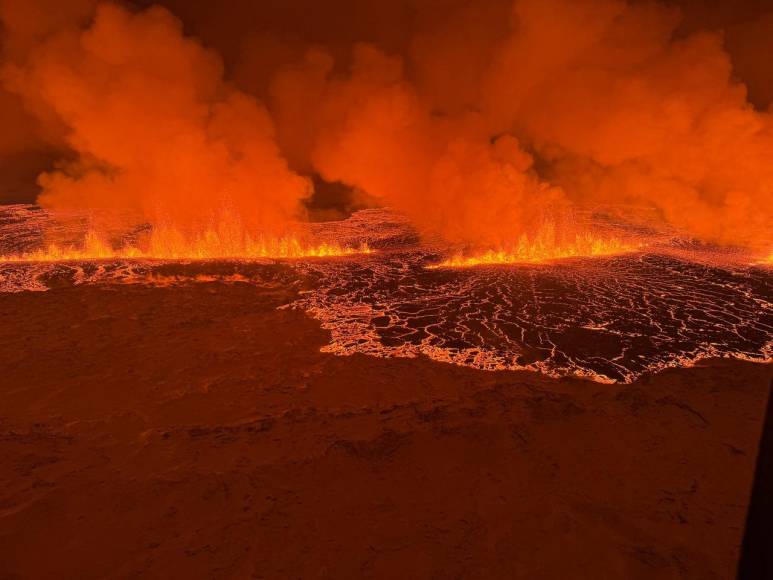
(170, 244)
(542, 248)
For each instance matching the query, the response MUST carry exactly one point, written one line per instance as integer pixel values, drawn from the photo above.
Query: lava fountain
(542, 248)
(170, 244)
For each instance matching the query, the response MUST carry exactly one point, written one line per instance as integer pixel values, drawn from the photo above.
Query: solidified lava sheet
(607, 318)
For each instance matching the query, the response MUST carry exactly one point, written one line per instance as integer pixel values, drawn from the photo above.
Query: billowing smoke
(372, 130)
(479, 120)
(624, 112)
(153, 129)
(616, 109)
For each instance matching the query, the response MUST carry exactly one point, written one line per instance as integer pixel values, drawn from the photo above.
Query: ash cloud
(477, 119)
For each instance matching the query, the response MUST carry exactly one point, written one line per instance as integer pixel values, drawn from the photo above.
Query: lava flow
(608, 318)
(169, 245)
(540, 250)
(617, 311)
(226, 241)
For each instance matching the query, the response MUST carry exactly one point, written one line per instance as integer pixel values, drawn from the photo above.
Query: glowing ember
(169, 244)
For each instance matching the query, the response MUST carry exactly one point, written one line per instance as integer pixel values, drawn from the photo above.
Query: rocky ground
(195, 431)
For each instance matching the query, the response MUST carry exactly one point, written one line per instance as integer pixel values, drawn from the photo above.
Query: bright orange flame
(765, 260)
(170, 244)
(543, 248)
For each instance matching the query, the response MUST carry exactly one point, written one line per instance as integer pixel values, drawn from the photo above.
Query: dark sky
(230, 26)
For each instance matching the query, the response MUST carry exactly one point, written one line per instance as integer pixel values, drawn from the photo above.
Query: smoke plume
(616, 108)
(153, 128)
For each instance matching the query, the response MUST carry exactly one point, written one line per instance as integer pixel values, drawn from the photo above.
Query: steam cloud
(478, 120)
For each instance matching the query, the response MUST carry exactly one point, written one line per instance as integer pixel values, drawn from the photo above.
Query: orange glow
(542, 248)
(766, 260)
(170, 244)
